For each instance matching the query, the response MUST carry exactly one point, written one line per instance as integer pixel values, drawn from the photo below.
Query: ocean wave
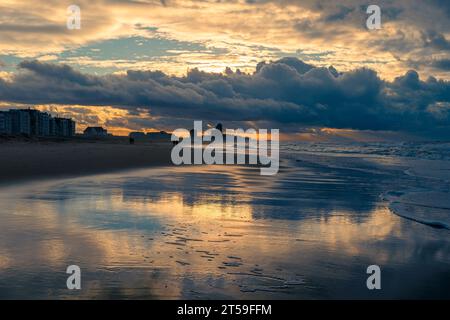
(431, 208)
(418, 150)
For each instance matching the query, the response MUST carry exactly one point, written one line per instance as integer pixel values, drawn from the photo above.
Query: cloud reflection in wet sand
(208, 232)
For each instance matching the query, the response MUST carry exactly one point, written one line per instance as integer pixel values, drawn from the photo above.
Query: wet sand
(226, 232)
(20, 161)
(215, 232)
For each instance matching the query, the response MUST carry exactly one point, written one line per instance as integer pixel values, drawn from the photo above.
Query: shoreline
(28, 161)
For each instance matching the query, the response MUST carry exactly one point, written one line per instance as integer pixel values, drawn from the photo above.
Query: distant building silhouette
(150, 136)
(35, 123)
(20, 122)
(64, 127)
(137, 135)
(159, 136)
(95, 132)
(5, 123)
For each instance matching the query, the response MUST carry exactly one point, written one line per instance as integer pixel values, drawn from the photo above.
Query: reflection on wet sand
(209, 232)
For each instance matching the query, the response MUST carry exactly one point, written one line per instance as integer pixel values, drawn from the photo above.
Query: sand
(22, 161)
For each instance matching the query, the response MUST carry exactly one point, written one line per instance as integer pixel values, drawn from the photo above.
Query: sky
(308, 67)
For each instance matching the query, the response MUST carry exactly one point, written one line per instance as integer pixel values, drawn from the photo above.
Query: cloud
(239, 28)
(443, 64)
(341, 14)
(435, 40)
(287, 92)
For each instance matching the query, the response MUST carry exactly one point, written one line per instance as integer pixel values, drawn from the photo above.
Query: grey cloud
(340, 20)
(443, 64)
(48, 28)
(435, 40)
(341, 14)
(442, 5)
(288, 92)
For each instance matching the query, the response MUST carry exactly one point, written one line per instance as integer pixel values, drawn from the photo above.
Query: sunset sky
(146, 65)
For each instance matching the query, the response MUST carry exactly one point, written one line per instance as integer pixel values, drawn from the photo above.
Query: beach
(24, 160)
(226, 232)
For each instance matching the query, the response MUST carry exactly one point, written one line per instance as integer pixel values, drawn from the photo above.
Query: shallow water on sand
(206, 232)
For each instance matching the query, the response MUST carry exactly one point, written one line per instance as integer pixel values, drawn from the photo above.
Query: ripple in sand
(207, 252)
(257, 275)
(207, 257)
(263, 288)
(232, 263)
(266, 282)
(175, 243)
(257, 270)
(189, 239)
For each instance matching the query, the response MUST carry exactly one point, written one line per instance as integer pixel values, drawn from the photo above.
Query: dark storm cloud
(286, 91)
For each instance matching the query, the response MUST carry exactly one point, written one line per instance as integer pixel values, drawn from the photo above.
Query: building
(34, 120)
(20, 122)
(159, 136)
(39, 122)
(150, 136)
(95, 132)
(52, 126)
(35, 123)
(72, 127)
(64, 127)
(5, 123)
(44, 124)
(137, 135)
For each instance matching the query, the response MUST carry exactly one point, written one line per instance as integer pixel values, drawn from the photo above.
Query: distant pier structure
(35, 123)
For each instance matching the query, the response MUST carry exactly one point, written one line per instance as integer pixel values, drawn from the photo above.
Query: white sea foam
(422, 195)
(430, 208)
